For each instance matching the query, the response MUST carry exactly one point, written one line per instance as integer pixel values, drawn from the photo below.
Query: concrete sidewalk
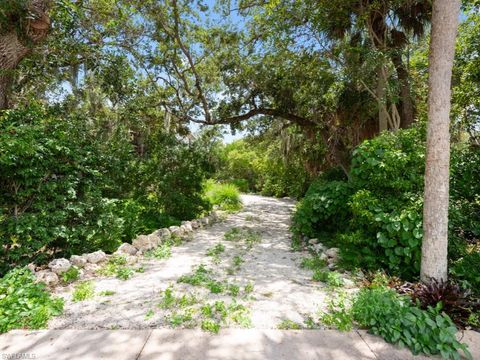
(242, 344)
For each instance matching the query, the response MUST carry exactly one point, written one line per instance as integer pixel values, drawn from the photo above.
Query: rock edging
(88, 264)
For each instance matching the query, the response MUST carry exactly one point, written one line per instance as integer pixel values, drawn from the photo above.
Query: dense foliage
(378, 211)
(327, 92)
(25, 304)
(397, 320)
(69, 189)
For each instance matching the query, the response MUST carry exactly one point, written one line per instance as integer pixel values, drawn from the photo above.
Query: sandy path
(281, 289)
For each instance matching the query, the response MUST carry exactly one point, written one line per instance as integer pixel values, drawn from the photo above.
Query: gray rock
(131, 259)
(323, 257)
(144, 242)
(59, 266)
(91, 269)
(49, 278)
(195, 224)
(175, 231)
(332, 253)
(155, 239)
(348, 283)
(96, 257)
(31, 267)
(127, 249)
(313, 241)
(205, 221)
(78, 261)
(216, 215)
(187, 226)
(163, 233)
(319, 248)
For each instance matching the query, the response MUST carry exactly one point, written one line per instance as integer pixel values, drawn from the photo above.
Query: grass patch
(203, 277)
(249, 236)
(183, 318)
(210, 326)
(226, 196)
(338, 315)
(313, 263)
(117, 266)
(107, 293)
(236, 265)
(163, 251)
(289, 325)
(83, 291)
(187, 311)
(171, 301)
(215, 252)
(331, 278)
(200, 276)
(234, 234)
(149, 314)
(248, 288)
(219, 313)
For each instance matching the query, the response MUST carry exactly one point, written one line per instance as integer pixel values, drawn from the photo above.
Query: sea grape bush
(324, 208)
(378, 210)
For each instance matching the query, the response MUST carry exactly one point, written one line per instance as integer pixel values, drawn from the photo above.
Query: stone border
(88, 264)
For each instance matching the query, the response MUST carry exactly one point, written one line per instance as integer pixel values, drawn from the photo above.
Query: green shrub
(466, 270)
(226, 196)
(71, 275)
(393, 317)
(313, 263)
(324, 210)
(376, 217)
(67, 188)
(25, 304)
(241, 184)
(394, 230)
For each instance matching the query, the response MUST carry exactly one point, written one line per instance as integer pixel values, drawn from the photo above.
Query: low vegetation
(117, 266)
(249, 236)
(188, 311)
(397, 320)
(225, 196)
(163, 251)
(25, 304)
(289, 325)
(395, 317)
(71, 275)
(83, 291)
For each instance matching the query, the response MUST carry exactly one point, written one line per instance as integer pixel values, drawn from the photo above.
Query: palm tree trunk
(435, 209)
(14, 46)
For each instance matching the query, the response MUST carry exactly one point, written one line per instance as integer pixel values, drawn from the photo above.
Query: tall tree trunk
(381, 98)
(11, 52)
(435, 210)
(14, 46)
(407, 110)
